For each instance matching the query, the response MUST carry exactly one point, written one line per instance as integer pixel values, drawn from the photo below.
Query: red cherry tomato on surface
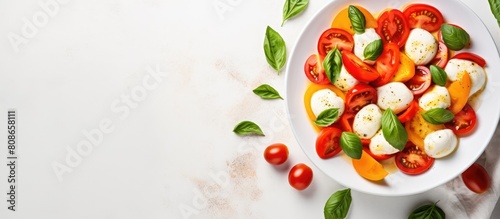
(464, 121)
(476, 178)
(411, 160)
(378, 157)
(332, 38)
(300, 176)
(441, 58)
(387, 64)
(409, 113)
(328, 142)
(357, 68)
(359, 96)
(471, 57)
(420, 81)
(313, 68)
(393, 27)
(423, 16)
(276, 154)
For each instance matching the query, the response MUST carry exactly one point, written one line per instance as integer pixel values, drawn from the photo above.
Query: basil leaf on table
(438, 116)
(438, 75)
(337, 206)
(393, 130)
(455, 38)
(327, 117)
(357, 19)
(247, 128)
(333, 64)
(275, 49)
(429, 211)
(292, 8)
(265, 91)
(351, 145)
(495, 9)
(373, 50)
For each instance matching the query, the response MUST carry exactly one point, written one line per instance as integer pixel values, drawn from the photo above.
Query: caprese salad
(383, 87)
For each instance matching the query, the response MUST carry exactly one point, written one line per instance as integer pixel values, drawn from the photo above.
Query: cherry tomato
(276, 154)
(420, 81)
(412, 160)
(378, 157)
(409, 112)
(357, 68)
(300, 176)
(393, 27)
(476, 178)
(423, 16)
(328, 142)
(441, 58)
(471, 57)
(359, 96)
(464, 121)
(332, 38)
(313, 68)
(387, 64)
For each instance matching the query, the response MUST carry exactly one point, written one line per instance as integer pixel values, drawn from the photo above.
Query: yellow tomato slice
(342, 20)
(417, 128)
(406, 69)
(369, 168)
(308, 95)
(459, 93)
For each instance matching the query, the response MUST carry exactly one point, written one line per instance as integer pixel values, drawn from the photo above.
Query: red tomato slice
(332, 38)
(393, 27)
(464, 121)
(313, 68)
(423, 16)
(412, 160)
(377, 157)
(357, 68)
(346, 121)
(476, 178)
(328, 142)
(409, 112)
(387, 64)
(359, 96)
(471, 57)
(441, 58)
(420, 81)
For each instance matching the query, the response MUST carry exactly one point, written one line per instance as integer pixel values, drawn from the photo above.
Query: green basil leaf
(292, 8)
(327, 117)
(357, 19)
(455, 38)
(351, 145)
(438, 75)
(333, 64)
(393, 130)
(373, 50)
(495, 9)
(337, 206)
(265, 91)
(438, 116)
(275, 49)
(429, 211)
(247, 128)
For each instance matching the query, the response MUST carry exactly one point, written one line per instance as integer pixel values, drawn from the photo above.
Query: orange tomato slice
(308, 95)
(417, 128)
(342, 20)
(406, 69)
(369, 168)
(459, 93)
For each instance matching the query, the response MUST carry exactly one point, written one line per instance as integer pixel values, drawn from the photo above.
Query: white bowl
(339, 168)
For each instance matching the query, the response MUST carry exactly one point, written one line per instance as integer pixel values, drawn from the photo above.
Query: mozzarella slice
(326, 99)
(345, 81)
(435, 97)
(421, 46)
(394, 95)
(379, 146)
(456, 67)
(362, 40)
(440, 143)
(367, 121)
